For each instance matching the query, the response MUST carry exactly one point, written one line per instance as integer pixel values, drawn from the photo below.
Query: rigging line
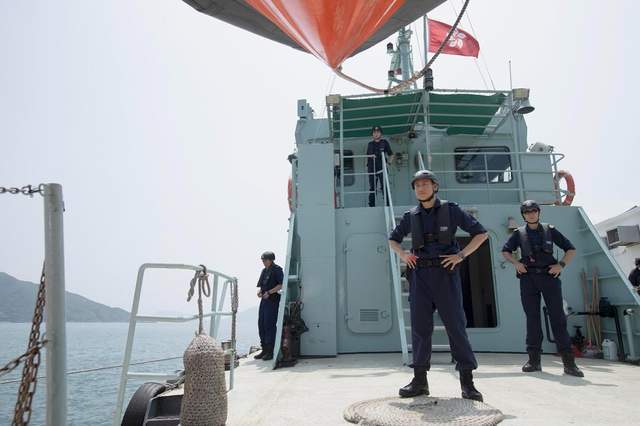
(110, 367)
(482, 56)
(421, 52)
(475, 60)
(406, 83)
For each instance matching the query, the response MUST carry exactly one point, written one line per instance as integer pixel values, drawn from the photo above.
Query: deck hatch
(367, 283)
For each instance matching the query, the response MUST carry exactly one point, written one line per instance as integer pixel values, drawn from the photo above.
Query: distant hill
(17, 300)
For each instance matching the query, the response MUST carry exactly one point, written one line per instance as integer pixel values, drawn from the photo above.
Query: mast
(401, 58)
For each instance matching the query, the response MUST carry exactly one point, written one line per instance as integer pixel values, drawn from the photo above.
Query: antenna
(510, 77)
(401, 61)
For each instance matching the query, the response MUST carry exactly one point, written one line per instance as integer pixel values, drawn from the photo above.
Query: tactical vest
(525, 245)
(443, 222)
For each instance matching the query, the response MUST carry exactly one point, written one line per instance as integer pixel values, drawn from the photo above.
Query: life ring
(571, 187)
(289, 194)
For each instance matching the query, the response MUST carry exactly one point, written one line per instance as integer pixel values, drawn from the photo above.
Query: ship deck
(317, 391)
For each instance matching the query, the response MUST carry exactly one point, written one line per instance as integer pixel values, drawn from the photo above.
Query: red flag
(460, 43)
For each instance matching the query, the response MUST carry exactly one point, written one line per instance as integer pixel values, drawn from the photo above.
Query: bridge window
(483, 164)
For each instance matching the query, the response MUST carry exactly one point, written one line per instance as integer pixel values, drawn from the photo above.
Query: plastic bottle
(609, 350)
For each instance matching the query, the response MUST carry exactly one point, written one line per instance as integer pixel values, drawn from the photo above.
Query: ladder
(401, 283)
(438, 326)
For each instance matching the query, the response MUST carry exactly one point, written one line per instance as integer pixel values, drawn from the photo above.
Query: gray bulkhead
(342, 255)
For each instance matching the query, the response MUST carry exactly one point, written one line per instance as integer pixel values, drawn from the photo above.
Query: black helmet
(424, 174)
(268, 255)
(378, 128)
(637, 261)
(528, 206)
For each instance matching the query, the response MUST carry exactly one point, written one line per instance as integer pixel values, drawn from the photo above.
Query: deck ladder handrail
(394, 263)
(215, 313)
(284, 291)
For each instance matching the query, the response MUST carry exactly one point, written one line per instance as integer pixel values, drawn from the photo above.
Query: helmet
(424, 174)
(268, 255)
(378, 128)
(637, 261)
(529, 205)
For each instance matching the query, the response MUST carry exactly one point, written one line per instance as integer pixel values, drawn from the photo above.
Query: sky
(169, 130)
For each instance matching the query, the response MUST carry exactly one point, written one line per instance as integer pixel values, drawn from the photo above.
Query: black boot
(570, 366)
(260, 354)
(533, 364)
(469, 391)
(268, 353)
(418, 386)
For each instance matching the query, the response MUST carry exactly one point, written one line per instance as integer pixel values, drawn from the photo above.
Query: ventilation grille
(369, 315)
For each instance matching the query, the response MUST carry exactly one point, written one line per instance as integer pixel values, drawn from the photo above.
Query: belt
(424, 262)
(536, 270)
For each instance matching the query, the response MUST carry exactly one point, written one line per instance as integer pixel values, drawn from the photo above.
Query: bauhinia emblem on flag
(460, 42)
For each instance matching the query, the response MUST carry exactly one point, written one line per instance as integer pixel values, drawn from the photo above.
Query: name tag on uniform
(444, 228)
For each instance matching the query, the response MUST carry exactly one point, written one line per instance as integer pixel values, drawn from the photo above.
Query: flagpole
(426, 38)
(425, 103)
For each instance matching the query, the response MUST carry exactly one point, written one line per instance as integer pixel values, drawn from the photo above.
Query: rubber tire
(137, 407)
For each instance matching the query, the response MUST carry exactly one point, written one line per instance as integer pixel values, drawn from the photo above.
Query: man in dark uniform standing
(435, 280)
(269, 284)
(538, 271)
(379, 148)
(634, 276)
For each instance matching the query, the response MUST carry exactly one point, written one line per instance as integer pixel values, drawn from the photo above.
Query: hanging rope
(406, 83)
(234, 312)
(201, 278)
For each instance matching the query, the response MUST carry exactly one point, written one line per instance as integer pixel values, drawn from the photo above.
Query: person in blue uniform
(634, 276)
(269, 284)
(435, 280)
(538, 271)
(378, 148)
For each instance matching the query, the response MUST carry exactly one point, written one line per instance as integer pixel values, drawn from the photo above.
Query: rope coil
(201, 278)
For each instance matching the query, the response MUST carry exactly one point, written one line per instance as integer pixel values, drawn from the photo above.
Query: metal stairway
(438, 326)
(401, 284)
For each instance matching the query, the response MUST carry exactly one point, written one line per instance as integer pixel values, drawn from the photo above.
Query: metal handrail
(488, 186)
(284, 292)
(214, 313)
(394, 263)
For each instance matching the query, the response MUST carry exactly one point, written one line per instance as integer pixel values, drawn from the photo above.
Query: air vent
(369, 315)
(623, 236)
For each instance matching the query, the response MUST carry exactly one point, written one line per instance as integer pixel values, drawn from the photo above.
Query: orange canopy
(329, 29)
(332, 30)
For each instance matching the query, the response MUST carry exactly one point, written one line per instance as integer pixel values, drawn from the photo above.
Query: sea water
(92, 396)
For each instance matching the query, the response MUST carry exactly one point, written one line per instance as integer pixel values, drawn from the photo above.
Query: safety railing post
(341, 154)
(486, 177)
(394, 263)
(214, 298)
(56, 354)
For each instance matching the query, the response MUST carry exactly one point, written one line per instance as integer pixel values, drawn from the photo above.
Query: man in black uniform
(435, 280)
(379, 148)
(634, 276)
(538, 271)
(269, 284)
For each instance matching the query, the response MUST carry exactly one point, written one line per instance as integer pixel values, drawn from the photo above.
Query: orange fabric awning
(331, 30)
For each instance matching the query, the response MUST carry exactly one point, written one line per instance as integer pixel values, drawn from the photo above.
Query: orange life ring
(571, 187)
(289, 194)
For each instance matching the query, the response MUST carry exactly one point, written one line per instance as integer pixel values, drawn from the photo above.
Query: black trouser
(436, 288)
(532, 286)
(376, 180)
(267, 318)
